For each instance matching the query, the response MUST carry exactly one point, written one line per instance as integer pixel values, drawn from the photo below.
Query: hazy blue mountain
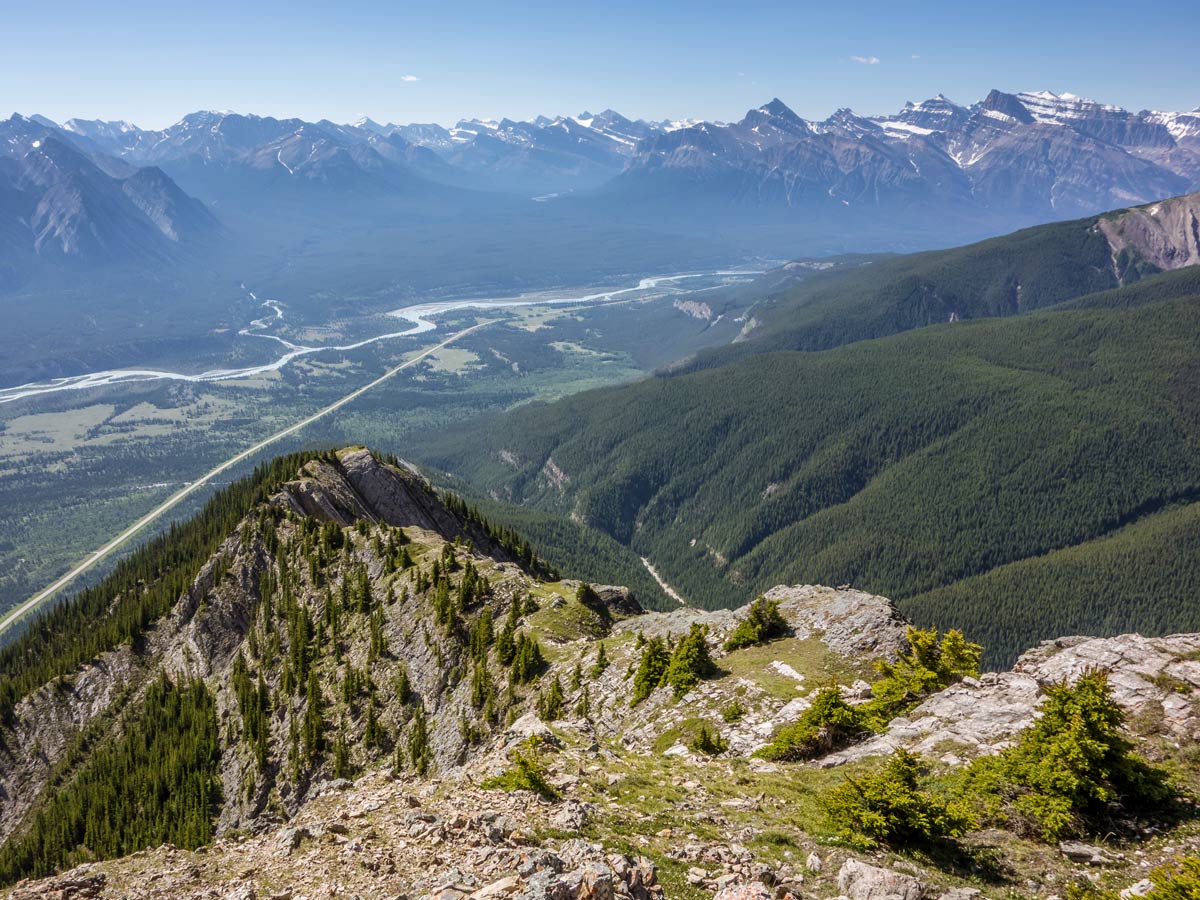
(1014, 158)
(59, 204)
(1006, 160)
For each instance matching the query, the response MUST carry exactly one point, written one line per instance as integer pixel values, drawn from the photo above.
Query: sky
(150, 63)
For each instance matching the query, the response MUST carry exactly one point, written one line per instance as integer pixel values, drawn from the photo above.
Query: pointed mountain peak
(775, 114)
(1006, 104)
(368, 124)
(779, 110)
(847, 120)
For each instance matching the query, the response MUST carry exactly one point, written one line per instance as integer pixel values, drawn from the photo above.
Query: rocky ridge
(635, 811)
(211, 624)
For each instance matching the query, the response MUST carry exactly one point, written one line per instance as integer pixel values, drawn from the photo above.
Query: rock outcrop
(859, 881)
(852, 624)
(1165, 234)
(831, 630)
(1156, 681)
(357, 487)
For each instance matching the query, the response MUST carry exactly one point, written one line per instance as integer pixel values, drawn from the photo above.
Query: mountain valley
(959, 468)
(712, 500)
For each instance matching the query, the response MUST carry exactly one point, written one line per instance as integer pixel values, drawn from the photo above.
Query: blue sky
(151, 63)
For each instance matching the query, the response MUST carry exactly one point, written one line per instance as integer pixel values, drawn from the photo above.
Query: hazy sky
(152, 62)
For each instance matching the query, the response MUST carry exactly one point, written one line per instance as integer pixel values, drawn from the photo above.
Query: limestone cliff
(1165, 234)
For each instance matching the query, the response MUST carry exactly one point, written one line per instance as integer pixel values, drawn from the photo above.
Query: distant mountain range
(60, 203)
(540, 155)
(1022, 157)
(938, 168)
(1032, 154)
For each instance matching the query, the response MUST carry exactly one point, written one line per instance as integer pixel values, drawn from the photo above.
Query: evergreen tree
(419, 753)
(403, 687)
(651, 670)
(341, 755)
(583, 708)
(313, 733)
(550, 701)
(506, 645)
(528, 661)
(690, 662)
(827, 725)
(483, 690)
(482, 635)
(1070, 766)
(378, 643)
(372, 731)
(928, 665)
(601, 660)
(763, 623)
(891, 807)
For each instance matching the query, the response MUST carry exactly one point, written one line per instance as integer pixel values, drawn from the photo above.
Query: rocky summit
(407, 703)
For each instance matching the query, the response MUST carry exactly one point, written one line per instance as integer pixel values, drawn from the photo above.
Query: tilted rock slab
(1151, 678)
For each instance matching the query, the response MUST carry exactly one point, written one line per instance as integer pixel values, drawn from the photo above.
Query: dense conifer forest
(154, 783)
(961, 469)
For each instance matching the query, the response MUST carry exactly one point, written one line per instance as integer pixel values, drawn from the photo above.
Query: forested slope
(903, 465)
(1004, 276)
(862, 298)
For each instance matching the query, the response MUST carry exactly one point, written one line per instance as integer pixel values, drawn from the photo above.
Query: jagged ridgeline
(330, 611)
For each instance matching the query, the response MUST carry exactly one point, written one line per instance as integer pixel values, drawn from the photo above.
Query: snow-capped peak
(777, 109)
(1181, 125)
(1050, 108)
(80, 126)
(369, 124)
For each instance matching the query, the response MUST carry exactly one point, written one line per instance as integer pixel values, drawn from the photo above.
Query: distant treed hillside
(1141, 578)
(582, 551)
(1004, 276)
(903, 465)
(1018, 273)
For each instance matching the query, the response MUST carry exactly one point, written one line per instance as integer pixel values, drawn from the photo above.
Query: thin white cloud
(409, 78)
(916, 56)
(865, 60)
